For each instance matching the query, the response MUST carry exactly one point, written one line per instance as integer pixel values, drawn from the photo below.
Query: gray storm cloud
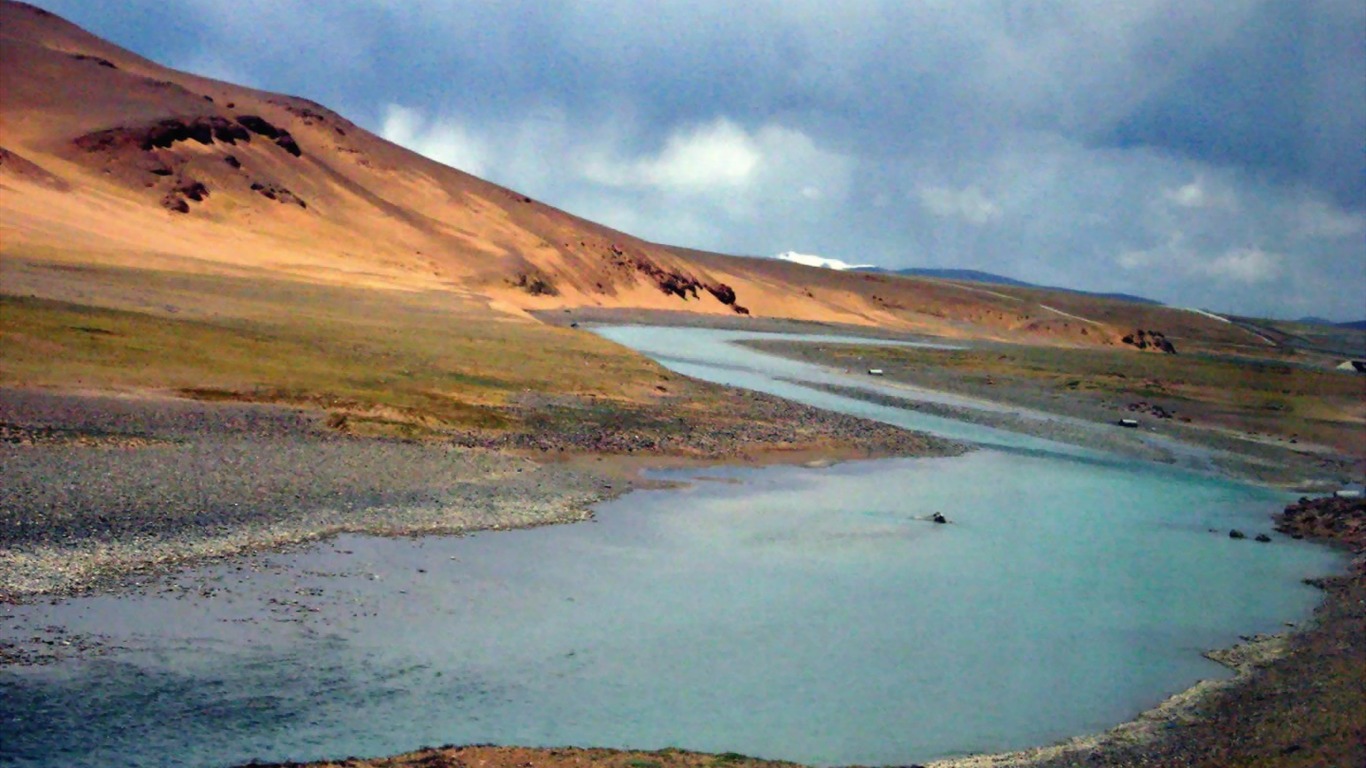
(1203, 153)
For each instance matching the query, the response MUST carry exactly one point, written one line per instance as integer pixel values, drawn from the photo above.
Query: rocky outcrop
(1148, 339)
(673, 281)
(191, 190)
(670, 281)
(175, 203)
(178, 199)
(163, 134)
(536, 284)
(280, 136)
(258, 125)
(94, 60)
(1337, 518)
(277, 193)
(723, 293)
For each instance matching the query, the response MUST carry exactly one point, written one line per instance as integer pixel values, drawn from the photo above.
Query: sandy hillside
(109, 158)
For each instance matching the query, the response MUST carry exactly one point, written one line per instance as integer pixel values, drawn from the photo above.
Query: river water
(811, 614)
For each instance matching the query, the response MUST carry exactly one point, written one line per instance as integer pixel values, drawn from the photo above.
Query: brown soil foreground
(522, 757)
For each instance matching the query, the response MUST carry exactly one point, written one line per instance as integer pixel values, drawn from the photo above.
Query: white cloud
(1200, 194)
(968, 204)
(715, 154)
(702, 181)
(1316, 219)
(718, 154)
(445, 141)
(1244, 265)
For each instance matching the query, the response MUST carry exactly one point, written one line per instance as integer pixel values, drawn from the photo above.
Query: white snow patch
(1220, 318)
(811, 260)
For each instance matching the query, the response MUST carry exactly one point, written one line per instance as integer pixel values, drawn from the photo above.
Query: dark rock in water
(938, 517)
(1236, 534)
(1262, 537)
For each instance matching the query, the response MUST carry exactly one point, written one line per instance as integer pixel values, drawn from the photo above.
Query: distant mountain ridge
(978, 276)
(1356, 325)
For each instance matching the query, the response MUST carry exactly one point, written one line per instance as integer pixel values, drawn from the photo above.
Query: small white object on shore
(874, 371)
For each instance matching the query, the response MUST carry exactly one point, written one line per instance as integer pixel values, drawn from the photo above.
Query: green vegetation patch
(392, 362)
(1258, 394)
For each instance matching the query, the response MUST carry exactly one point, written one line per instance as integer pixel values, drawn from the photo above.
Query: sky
(1206, 153)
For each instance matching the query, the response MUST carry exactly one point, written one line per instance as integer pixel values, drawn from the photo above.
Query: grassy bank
(1276, 400)
(380, 358)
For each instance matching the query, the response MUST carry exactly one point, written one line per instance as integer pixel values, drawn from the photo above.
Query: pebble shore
(99, 488)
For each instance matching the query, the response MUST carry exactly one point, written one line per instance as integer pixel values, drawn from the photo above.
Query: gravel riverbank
(1091, 422)
(101, 488)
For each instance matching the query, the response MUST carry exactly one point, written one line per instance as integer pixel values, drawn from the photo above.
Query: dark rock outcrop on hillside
(175, 203)
(263, 127)
(258, 125)
(669, 281)
(165, 133)
(536, 284)
(94, 60)
(723, 293)
(185, 190)
(192, 190)
(672, 281)
(286, 142)
(1148, 339)
(277, 193)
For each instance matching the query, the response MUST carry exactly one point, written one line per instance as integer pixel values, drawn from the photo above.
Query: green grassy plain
(422, 359)
(1272, 395)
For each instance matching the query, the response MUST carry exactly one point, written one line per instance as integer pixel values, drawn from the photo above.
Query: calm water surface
(809, 614)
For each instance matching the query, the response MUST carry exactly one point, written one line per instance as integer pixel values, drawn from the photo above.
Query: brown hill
(108, 158)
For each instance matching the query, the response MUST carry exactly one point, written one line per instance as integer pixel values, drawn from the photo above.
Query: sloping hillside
(109, 159)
